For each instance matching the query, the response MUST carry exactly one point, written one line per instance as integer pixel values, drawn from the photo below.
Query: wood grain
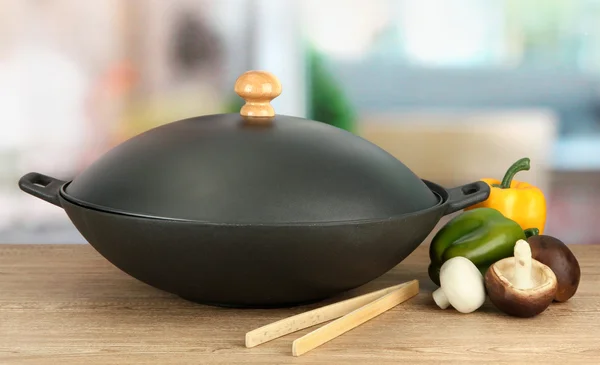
(65, 304)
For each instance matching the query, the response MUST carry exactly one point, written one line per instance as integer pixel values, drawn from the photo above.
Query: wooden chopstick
(315, 316)
(359, 316)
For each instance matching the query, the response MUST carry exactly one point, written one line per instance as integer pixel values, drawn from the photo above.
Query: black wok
(252, 210)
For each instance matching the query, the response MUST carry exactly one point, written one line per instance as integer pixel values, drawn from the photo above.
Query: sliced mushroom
(461, 285)
(557, 256)
(521, 286)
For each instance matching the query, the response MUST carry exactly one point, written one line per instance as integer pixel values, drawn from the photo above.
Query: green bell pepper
(482, 235)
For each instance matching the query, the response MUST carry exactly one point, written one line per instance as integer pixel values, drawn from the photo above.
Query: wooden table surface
(65, 304)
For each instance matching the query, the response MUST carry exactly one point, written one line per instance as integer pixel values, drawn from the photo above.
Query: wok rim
(440, 192)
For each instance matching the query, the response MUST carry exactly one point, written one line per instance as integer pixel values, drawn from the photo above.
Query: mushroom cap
(553, 253)
(462, 283)
(520, 302)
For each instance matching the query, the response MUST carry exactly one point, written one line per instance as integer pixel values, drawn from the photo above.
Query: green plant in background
(327, 102)
(234, 104)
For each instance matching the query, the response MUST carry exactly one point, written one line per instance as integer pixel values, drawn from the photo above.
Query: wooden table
(65, 304)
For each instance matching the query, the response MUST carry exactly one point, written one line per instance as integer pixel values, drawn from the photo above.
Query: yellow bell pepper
(517, 200)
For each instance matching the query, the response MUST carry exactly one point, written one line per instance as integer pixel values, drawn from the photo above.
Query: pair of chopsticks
(350, 313)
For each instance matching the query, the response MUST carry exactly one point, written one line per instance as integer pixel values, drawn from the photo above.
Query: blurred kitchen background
(456, 89)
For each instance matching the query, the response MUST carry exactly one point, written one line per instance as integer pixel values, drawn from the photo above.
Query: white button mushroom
(461, 285)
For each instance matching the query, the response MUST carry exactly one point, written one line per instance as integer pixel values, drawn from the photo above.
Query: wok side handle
(464, 196)
(41, 186)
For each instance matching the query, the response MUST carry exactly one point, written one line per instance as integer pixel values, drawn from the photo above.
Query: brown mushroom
(553, 253)
(521, 286)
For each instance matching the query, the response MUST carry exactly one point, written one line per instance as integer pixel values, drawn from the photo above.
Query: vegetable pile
(497, 248)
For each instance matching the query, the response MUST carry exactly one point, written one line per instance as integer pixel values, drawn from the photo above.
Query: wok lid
(255, 167)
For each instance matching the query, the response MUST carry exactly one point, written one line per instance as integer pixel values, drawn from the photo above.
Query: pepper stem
(531, 232)
(521, 165)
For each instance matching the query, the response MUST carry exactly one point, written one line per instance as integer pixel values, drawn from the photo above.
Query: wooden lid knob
(258, 88)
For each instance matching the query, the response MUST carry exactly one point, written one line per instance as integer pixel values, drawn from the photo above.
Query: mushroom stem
(440, 298)
(522, 253)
